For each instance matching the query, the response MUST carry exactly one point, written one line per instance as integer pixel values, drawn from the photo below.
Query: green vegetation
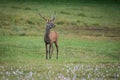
(23, 57)
(89, 41)
(23, 19)
(74, 50)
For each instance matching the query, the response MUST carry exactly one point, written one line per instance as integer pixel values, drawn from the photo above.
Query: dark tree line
(102, 1)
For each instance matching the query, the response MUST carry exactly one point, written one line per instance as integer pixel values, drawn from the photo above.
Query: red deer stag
(50, 37)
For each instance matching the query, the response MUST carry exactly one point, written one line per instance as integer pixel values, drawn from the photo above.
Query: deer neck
(47, 31)
(46, 36)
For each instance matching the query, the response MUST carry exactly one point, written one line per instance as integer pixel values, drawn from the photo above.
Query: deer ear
(47, 20)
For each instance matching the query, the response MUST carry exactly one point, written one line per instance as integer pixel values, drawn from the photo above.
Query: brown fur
(50, 37)
(53, 36)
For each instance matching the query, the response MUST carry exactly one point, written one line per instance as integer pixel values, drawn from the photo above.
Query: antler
(42, 17)
(53, 16)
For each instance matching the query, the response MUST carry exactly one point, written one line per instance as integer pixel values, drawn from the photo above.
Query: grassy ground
(79, 58)
(74, 50)
(89, 41)
(23, 19)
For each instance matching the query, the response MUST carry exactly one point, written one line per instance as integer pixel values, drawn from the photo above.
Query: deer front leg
(46, 51)
(50, 50)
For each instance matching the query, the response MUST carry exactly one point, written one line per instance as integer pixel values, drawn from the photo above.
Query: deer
(50, 37)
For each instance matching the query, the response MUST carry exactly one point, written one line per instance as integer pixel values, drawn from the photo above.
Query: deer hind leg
(56, 49)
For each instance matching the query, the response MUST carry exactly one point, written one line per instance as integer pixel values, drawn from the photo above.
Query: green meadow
(89, 41)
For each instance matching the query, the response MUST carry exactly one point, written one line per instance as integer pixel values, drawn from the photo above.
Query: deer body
(50, 37)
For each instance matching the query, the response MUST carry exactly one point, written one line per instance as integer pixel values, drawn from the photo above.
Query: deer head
(48, 20)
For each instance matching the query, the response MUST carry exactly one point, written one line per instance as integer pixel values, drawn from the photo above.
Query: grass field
(89, 41)
(23, 19)
(24, 58)
(79, 58)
